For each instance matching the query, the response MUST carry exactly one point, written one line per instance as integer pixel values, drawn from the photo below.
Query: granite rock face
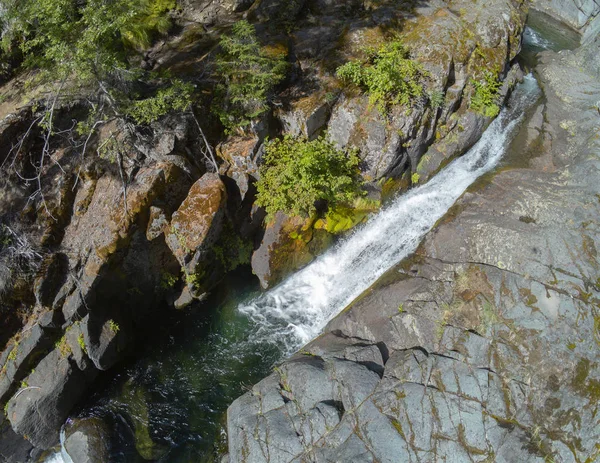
(484, 345)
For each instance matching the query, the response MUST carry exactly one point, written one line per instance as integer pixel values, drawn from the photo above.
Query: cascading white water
(295, 311)
(532, 38)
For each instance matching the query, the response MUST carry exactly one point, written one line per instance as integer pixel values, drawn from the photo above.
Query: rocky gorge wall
(484, 345)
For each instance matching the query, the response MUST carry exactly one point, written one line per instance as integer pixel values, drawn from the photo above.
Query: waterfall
(294, 312)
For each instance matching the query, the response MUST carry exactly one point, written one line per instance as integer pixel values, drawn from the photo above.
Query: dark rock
(47, 285)
(39, 410)
(288, 243)
(277, 10)
(241, 155)
(13, 448)
(157, 223)
(22, 357)
(104, 340)
(51, 319)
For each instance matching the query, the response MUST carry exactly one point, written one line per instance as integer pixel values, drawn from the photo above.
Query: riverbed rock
(86, 440)
(483, 346)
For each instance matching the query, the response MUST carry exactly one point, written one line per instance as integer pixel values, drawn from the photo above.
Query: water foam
(295, 311)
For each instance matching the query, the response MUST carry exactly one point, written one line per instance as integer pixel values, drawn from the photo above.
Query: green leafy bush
(388, 75)
(297, 172)
(176, 97)
(485, 97)
(249, 73)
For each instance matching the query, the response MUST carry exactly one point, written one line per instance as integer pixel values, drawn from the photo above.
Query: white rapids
(533, 39)
(294, 312)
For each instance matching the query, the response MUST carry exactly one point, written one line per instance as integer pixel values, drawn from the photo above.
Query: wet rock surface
(85, 441)
(481, 347)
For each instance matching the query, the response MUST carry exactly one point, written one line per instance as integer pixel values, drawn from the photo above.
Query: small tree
(298, 172)
(248, 76)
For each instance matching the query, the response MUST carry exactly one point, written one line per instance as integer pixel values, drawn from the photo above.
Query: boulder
(288, 243)
(195, 228)
(103, 340)
(307, 116)
(241, 155)
(21, 356)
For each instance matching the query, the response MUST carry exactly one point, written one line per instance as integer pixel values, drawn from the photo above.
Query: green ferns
(249, 73)
(388, 75)
(485, 98)
(297, 172)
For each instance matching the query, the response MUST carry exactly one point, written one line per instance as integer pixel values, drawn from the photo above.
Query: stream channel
(169, 404)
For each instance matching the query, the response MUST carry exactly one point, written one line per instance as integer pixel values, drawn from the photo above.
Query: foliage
(177, 97)
(298, 172)
(436, 99)
(231, 249)
(82, 40)
(249, 73)
(485, 97)
(81, 342)
(114, 326)
(168, 280)
(414, 178)
(343, 217)
(388, 75)
(63, 346)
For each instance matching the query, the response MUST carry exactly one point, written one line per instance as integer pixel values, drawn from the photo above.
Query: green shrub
(485, 98)
(176, 97)
(298, 172)
(388, 75)
(249, 73)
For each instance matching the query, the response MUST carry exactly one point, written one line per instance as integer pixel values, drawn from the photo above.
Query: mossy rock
(342, 218)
